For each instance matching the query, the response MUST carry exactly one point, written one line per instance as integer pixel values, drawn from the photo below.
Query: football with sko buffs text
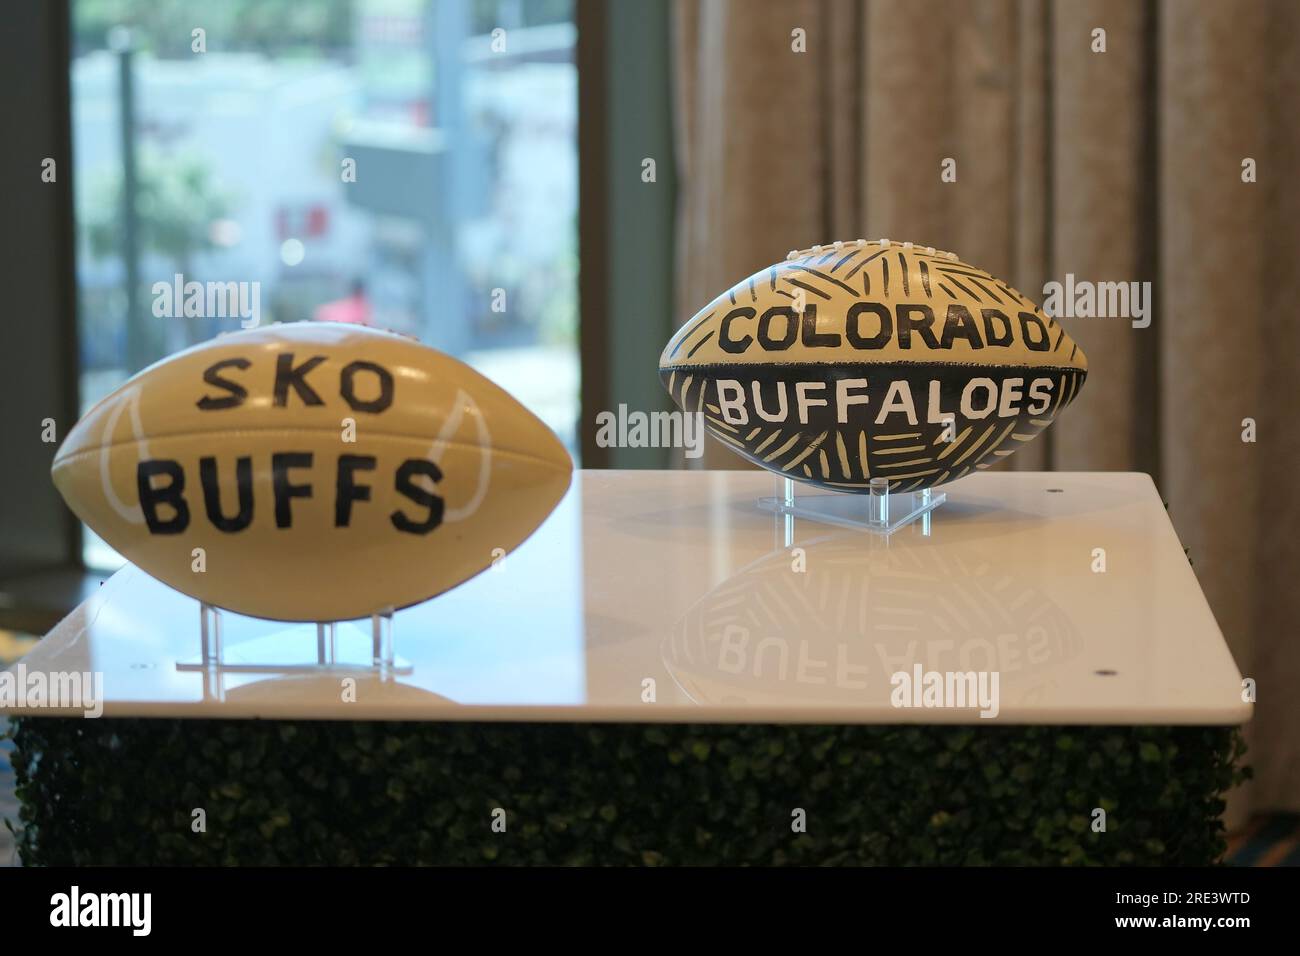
(326, 471)
(873, 359)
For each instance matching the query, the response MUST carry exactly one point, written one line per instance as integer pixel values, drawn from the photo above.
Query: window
(408, 164)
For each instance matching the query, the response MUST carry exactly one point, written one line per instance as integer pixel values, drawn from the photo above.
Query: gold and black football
(873, 359)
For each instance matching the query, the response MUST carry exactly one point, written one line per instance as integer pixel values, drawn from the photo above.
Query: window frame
(40, 540)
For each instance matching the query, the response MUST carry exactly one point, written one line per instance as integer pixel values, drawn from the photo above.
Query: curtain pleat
(909, 127)
(1211, 337)
(1098, 111)
(1031, 177)
(1276, 598)
(844, 73)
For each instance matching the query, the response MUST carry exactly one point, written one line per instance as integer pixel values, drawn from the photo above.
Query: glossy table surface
(671, 596)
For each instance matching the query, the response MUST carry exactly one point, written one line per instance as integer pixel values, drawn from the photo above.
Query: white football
(311, 471)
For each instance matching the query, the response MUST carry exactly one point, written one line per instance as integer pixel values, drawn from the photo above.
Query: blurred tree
(314, 27)
(487, 15)
(163, 27)
(177, 204)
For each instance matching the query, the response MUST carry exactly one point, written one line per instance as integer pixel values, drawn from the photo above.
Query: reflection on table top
(670, 596)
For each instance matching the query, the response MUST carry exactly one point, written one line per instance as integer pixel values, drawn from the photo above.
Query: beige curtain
(1123, 165)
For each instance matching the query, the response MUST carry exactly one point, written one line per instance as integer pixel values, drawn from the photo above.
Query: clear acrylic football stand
(339, 646)
(879, 511)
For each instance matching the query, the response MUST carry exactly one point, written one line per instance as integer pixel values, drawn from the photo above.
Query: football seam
(60, 458)
(872, 364)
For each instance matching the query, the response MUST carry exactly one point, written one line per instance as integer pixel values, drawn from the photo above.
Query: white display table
(679, 579)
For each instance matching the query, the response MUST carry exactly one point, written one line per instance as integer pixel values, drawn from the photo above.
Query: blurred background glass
(235, 164)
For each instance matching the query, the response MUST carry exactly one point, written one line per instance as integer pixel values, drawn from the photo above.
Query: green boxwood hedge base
(124, 791)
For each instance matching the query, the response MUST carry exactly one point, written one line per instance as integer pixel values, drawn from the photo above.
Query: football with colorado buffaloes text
(861, 360)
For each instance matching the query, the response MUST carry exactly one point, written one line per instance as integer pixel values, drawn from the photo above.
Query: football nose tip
(551, 451)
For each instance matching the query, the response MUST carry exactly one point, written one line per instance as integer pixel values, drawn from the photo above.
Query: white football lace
(863, 243)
